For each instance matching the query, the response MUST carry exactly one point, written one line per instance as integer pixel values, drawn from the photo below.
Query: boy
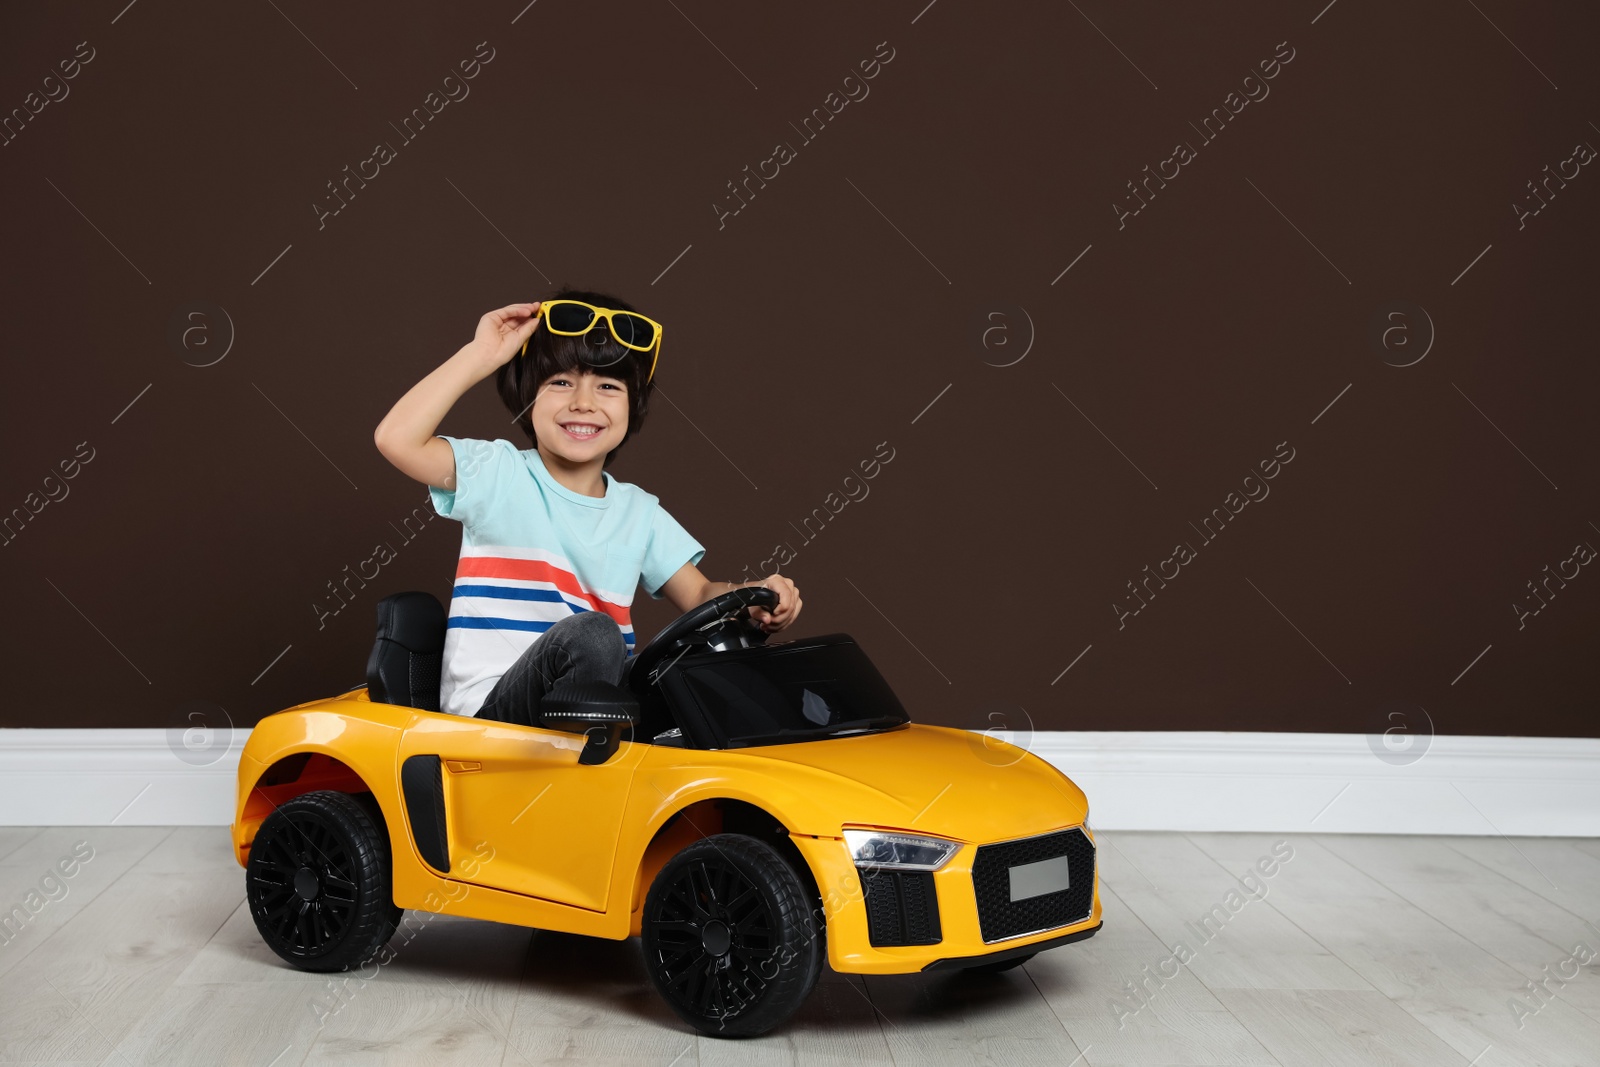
(552, 545)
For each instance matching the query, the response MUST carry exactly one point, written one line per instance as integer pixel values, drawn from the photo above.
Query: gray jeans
(584, 647)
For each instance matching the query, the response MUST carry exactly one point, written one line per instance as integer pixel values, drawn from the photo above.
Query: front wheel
(729, 938)
(318, 882)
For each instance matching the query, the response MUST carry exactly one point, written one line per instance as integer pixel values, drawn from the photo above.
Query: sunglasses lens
(568, 318)
(633, 330)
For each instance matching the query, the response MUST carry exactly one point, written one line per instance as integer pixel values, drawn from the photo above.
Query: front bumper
(955, 963)
(955, 935)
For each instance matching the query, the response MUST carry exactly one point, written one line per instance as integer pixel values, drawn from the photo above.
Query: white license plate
(1037, 879)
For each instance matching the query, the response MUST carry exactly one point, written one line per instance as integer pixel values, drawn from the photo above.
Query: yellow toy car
(743, 808)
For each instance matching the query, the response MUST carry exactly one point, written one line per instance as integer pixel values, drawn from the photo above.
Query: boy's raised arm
(406, 435)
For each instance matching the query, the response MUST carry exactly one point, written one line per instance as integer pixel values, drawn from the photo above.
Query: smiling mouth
(581, 431)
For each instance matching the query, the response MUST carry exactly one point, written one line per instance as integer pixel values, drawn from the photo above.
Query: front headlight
(898, 852)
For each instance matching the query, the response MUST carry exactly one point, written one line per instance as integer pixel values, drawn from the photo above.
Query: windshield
(784, 695)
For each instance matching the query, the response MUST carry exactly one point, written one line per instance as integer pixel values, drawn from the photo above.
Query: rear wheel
(729, 938)
(369, 803)
(318, 882)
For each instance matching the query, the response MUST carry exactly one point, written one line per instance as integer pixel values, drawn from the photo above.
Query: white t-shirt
(534, 552)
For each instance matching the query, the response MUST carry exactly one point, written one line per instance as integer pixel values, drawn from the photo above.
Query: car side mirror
(598, 710)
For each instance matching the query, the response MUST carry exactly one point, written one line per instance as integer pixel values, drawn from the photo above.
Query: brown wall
(1083, 421)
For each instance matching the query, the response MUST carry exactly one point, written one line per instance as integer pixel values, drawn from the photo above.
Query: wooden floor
(1356, 950)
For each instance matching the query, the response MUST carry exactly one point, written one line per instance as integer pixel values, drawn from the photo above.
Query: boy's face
(581, 415)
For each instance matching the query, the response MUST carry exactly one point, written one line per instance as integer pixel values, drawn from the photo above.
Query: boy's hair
(518, 381)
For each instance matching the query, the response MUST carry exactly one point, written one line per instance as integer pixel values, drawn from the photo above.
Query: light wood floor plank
(1405, 951)
(43, 1024)
(1124, 965)
(189, 848)
(626, 1046)
(34, 868)
(1124, 998)
(56, 842)
(397, 1024)
(1453, 987)
(11, 837)
(837, 1026)
(1218, 912)
(589, 999)
(954, 1017)
(112, 960)
(1541, 939)
(1337, 1028)
(576, 981)
(1553, 868)
(1162, 1034)
(260, 1025)
(237, 955)
(574, 989)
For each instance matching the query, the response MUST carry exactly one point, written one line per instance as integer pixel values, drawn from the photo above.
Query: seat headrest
(406, 657)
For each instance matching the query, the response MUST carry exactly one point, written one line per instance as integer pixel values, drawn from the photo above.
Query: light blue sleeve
(482, 468)
(669, 548)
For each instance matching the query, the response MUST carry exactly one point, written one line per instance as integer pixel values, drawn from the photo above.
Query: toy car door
(509, 807)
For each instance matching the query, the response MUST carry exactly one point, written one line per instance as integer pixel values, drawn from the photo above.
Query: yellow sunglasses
(574, 318)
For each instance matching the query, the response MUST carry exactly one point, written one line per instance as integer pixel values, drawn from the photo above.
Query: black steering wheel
(717, 622)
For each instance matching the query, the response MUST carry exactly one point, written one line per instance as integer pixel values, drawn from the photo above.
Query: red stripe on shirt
(537, 570)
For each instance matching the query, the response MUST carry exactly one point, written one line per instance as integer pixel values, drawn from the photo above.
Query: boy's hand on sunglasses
(500, 333)
(788, 609)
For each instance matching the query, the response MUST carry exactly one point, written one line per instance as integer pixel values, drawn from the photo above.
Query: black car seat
(405, 661)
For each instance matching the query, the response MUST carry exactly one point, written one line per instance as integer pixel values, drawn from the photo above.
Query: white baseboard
(1332, 783)
(1266, 782)
(115, 777)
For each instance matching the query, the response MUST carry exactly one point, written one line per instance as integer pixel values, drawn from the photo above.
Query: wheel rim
(303, 885)
(716, 937)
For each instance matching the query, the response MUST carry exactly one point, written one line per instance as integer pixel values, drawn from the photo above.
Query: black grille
(902, 907)
(1000, 917)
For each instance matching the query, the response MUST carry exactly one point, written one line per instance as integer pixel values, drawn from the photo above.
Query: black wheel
(375, 813)
(1003, 965)
(318, 882)
(729, 938)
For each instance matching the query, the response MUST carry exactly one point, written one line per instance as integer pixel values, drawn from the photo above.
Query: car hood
(953, 783)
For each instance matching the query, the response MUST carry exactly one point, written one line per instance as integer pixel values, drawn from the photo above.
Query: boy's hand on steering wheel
(788, 609)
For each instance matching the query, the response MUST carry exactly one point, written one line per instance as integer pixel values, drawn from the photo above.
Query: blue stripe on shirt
(486, 622)
(505, 592)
